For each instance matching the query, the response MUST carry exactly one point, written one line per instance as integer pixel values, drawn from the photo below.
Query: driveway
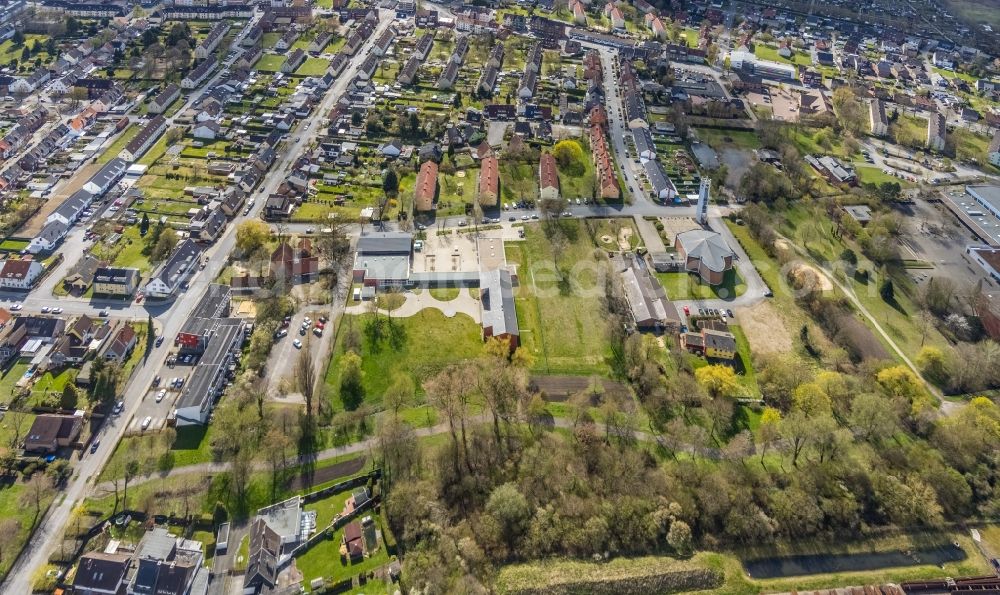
(415, 302)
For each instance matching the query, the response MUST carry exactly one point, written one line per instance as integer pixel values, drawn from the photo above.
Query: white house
(19, 274)
(206, 131)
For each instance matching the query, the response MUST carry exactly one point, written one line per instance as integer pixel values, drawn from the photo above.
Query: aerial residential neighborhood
(512, 296)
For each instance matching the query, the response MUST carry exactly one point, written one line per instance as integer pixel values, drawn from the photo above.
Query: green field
(312, 67)
(518, 182)
(420, 346)
(689, 286)
(455, 191)
(11, 507)
(116, 147)
(582, 186)
(740, 139)
(270, 63)
(869, 174)
(766, 52)
(559, 309)
(975, 12)
(9, 380)
(191, 445)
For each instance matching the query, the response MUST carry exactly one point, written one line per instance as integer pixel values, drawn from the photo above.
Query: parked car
(159, 340)
(162, 393)
(103, 313)
(145, 422)
(94, 445)
(297, 343)
(45, 309)
(156, 381)
(318, 331)
(119, 407)
(57, 310)
(16, 307)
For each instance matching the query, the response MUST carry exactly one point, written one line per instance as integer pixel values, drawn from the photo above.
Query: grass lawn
(909, 131)
(116, 147)
(11, 508)
(688, 286)
(518, 181)
(14, 420)
(324, 560)
(127, 251)
(312, 66)
(559, 311)
(50, 384)
(976, 11)
(269, 40)
(740, 139)
(192, 445)
(744, 362)
(766, 52)
(420, 346)
(869, 174)
(154, 152)
(455, 191)
(270, 63)
(444, 294)
(582, 186)
(9, 380)
(970, 146)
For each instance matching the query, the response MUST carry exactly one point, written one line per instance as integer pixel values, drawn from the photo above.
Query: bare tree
(305, 376)
(276, 447)
(38, 488)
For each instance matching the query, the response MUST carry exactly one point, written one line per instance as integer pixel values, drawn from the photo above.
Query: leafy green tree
(508, 506)
(150, 335)
(352, 390)
(390, 182)
(887, 291)
(569, 156)
(69, 397)
(144, 225)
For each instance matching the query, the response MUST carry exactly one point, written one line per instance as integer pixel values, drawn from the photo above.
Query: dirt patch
(781, 244)
(560, 388)
(764, 328)
(625, 239)
(738, 161)
(806, 275)
(342, 469)
(34, 225)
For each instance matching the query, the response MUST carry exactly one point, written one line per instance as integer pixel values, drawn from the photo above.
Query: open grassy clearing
(518, 182)
(191, 445)
(689, 286)
(419, 345)
(11, 507)
(740, 139)
(116, 147)
(558, 301)
(270, 63)
(312, 66)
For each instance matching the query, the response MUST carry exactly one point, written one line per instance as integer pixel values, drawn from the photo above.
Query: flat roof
(988, 194)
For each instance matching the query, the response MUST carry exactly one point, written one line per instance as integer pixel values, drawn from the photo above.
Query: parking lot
(933, 234)
(173, 376)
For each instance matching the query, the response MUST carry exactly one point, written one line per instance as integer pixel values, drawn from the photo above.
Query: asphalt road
(170, 317)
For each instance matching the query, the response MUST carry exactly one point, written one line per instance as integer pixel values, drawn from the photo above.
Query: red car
(138, 298)
(687, 311)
